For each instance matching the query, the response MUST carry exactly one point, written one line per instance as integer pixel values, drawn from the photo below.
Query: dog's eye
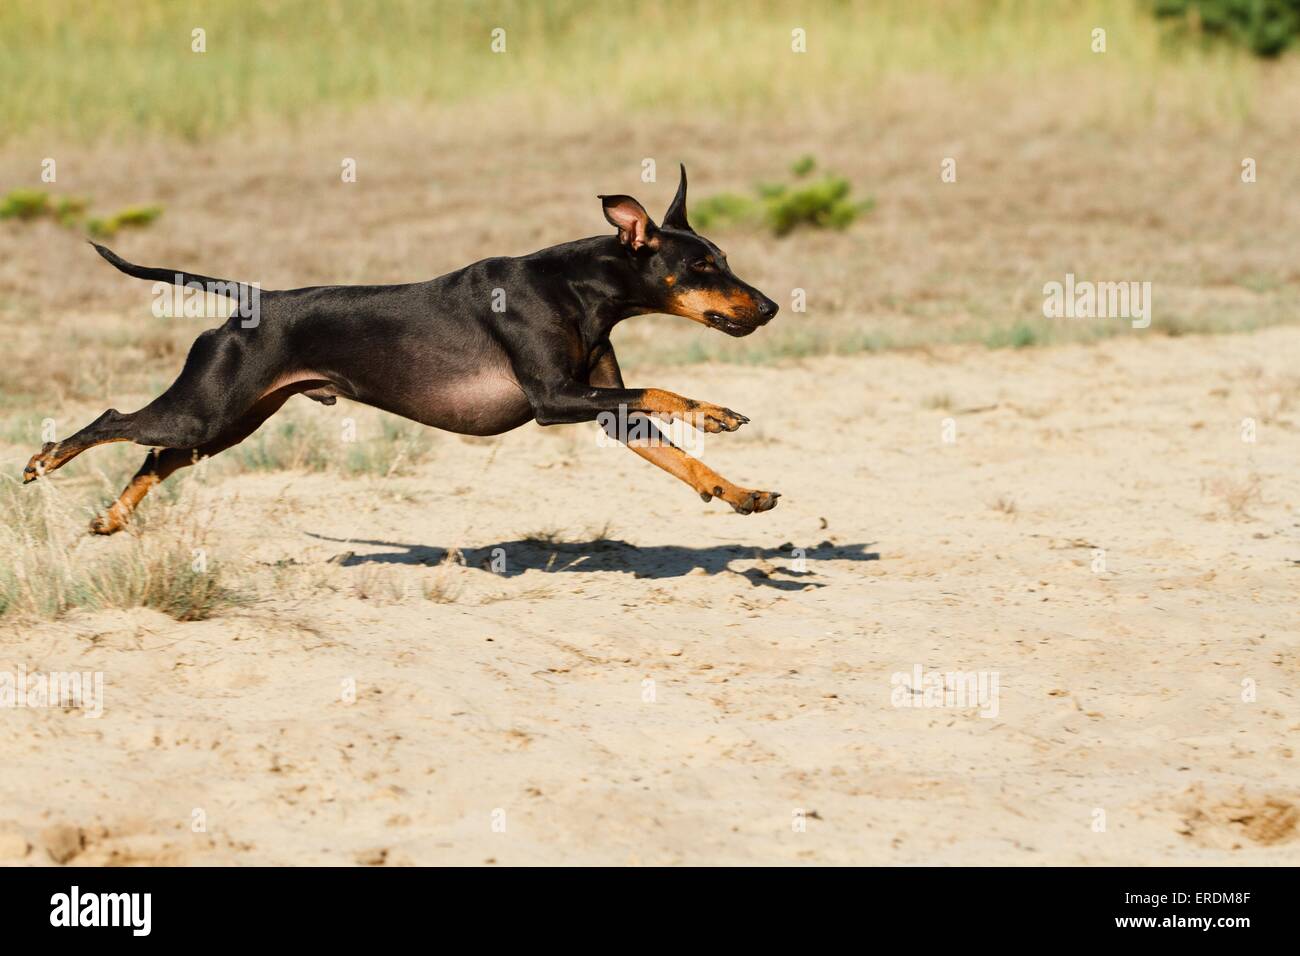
(704, 265)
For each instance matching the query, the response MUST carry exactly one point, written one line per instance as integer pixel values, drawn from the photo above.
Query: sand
(649, 679)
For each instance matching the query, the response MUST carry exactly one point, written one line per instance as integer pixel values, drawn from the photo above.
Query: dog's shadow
(512, 558)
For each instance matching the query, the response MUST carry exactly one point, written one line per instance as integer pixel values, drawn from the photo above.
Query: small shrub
(134, 218)
(24, 204)
(1265, 27)
(803, 166)
(70, 211)
(823, 205)
(1004, 504)
(782, 207)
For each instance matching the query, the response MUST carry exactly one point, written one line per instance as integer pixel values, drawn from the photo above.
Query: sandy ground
(652, 679)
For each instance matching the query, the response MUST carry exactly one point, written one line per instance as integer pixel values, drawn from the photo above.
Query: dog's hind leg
(162, 462)
(108, 427)
(218, 383)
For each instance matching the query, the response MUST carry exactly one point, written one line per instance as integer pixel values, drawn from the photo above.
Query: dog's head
(681, 272)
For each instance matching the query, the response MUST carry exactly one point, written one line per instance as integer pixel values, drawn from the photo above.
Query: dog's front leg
(655, 447)
(576, 402)
(659, 451)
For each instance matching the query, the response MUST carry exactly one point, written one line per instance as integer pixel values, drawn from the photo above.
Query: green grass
(134, 218)
(31, 204)
(95, 66)
(24, 204)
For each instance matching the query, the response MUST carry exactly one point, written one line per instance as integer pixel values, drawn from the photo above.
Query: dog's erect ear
(675, 217)
(635, 227)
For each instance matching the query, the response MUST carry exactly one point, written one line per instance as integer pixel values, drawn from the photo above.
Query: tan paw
(106, 524)
(41, 462)
(715, 418)
(745, 502)
(749, 502)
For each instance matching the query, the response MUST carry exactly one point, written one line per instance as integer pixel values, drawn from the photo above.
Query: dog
(479, 351)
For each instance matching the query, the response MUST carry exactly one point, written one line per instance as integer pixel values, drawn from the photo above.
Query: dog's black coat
(478, 351)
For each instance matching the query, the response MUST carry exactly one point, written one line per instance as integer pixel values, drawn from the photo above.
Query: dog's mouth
(727, 324)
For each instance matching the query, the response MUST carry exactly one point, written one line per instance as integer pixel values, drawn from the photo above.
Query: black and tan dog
(479, 351)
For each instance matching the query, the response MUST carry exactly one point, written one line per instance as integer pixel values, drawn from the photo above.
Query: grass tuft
(783, 207)
(49, 565)
(31, 204)
(134, 217)
(24, 204)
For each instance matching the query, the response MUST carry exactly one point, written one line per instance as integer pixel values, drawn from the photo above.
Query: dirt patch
(1243, 820)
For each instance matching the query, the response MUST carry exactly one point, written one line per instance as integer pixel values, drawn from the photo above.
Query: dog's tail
(226, 287)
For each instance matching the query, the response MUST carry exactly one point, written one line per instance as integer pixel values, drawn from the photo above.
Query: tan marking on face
(670, 280)
(693, 303)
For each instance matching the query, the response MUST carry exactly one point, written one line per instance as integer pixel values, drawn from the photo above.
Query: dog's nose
(766, 309)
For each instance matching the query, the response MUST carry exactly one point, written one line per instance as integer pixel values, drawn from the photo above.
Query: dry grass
(1004, 504)
(1236, 495)
(380, 584)
(350, 442)
(48, 565)
(445, 584)
(1273, 399)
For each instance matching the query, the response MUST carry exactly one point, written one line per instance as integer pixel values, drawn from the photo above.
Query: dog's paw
(715, 418)
(39, 464)
(751, 502)
(106, 524)
(743, 500)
